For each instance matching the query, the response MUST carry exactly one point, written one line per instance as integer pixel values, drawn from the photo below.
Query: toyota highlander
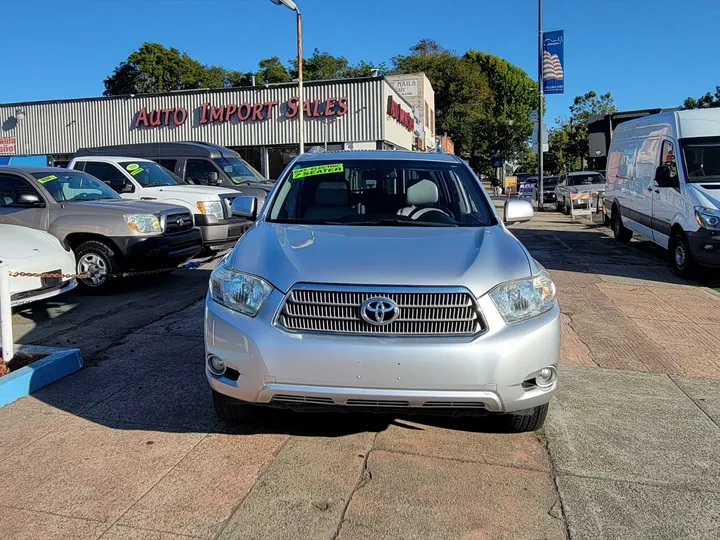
(382, 280)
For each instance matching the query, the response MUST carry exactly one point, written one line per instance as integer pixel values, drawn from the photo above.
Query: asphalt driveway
(130, 447)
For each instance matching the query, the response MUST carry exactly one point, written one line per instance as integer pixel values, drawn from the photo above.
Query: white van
(145, 180)
(663, 178)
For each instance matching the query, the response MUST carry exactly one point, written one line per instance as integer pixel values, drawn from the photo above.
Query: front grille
(172, 225)
(435, 312)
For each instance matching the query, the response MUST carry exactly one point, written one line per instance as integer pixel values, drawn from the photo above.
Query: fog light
(708, 247)
(216, 365)
(546, 376)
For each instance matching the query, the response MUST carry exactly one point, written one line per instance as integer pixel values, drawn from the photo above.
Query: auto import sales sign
(553, 62)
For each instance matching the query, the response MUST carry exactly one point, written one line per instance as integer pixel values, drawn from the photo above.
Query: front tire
(620, 233)
(101, 262)
(520, 423)
(231, 410)
(681, 258)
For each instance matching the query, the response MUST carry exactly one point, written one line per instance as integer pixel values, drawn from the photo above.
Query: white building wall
(395, 132)
(55, 127)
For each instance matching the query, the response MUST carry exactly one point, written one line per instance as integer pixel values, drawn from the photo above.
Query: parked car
(549, 197)
(145, 180)
(196, 163)
(108, 234)
(573, 183)
(29, 250)
(382, 280)
(664, 183)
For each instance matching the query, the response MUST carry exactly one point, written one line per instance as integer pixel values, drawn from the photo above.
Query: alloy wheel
(94, 265)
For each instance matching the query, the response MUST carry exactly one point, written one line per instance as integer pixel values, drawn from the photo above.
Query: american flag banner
(553, 60)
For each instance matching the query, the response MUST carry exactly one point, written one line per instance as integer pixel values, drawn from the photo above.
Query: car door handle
(657, 191)
(650, 188)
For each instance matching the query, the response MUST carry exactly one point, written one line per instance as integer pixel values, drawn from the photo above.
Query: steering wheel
(422, 210)
(82, 197)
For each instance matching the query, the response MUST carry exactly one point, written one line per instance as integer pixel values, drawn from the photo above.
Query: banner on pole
(553, 62)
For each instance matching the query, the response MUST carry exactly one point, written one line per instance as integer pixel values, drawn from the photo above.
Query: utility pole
(301, 94)
(540, 109)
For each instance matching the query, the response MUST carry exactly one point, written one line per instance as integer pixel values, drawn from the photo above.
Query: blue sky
(646, 53)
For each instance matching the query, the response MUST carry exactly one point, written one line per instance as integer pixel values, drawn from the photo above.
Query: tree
(154, 68)
(569, 140)
(462, 96)
(708, 101)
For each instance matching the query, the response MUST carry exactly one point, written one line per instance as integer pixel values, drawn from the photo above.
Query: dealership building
(259, 122)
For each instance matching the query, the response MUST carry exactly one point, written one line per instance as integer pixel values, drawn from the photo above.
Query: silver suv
(382, 280)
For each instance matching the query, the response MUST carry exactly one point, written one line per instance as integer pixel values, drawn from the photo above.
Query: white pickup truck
(145, 180)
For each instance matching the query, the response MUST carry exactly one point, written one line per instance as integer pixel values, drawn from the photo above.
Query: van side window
(197, 171)
(11, 187)
(169, 164)
(667, 157)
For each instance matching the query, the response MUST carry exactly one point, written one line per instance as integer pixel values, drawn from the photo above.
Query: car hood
(476, 258)
(127, 205)
(197, 192)
(22, 242)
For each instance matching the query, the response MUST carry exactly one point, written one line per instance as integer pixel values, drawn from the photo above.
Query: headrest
(424, 192)
(332, 194)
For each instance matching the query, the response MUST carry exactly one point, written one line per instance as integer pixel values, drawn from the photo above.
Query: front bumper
(705, 247)
(166, 250)
(271, 365)
(219, 234)
(42, 293)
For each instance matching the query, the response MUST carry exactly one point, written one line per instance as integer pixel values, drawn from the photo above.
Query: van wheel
(519, 423)
(100, 262)
(681, 259)
(621, 233)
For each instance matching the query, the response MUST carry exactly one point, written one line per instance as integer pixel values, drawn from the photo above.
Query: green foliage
(568, 141)
(708, 101)
(154, 68)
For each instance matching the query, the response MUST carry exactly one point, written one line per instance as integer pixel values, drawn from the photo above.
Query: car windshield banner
(553, 62)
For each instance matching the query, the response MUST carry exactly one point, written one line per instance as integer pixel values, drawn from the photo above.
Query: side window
(169, 164)
(109, 174)
(11, 187)
(79, 166)
(197, 171)
(667, 157)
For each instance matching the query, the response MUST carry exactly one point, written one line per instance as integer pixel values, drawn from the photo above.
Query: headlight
(211, 208)
(238, 291)
(524, 299)
(143, 223)
(708, 218)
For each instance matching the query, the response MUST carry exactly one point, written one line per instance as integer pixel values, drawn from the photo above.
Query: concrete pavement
(130, 447)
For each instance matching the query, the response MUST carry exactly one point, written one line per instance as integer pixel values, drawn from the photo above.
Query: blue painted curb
(57, 364)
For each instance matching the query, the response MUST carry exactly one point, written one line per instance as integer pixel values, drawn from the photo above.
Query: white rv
(663, 177)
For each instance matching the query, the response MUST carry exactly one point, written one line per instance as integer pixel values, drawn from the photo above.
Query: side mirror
(245, 207)
(213, 179)
(517, 211)
(28, 199)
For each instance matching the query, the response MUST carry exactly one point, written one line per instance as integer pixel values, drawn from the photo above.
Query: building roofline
(190, 91)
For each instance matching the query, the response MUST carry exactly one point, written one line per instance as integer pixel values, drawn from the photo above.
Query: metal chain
(84, 276)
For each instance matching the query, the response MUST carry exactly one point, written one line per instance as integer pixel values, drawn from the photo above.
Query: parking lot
(130, 446)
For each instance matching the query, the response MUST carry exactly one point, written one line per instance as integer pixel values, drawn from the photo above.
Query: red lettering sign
(209, 114)
(8, 145)
(396, 111)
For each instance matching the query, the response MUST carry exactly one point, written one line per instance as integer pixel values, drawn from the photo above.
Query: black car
(549, 183)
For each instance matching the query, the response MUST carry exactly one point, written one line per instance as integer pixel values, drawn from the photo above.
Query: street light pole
(301, 93)
(540, 110)
(290, 4)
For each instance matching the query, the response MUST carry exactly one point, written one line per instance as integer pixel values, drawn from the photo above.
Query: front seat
(424, 193)
(332, 201)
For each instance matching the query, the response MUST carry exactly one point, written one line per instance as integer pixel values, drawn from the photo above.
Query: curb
(57, 364)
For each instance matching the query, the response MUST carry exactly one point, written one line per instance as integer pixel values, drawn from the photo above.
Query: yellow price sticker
(318, 169)
(136, 171)
(132, 166)
(47, 178)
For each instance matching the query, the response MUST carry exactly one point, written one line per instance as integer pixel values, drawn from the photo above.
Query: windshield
(585, 179)
(381, 192)
(150, 174)
(239, 171)
(702, 159)
(550, 181)
(74, 186)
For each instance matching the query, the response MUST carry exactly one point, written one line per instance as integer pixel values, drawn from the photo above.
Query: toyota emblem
(180, 222)
(379, 311)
